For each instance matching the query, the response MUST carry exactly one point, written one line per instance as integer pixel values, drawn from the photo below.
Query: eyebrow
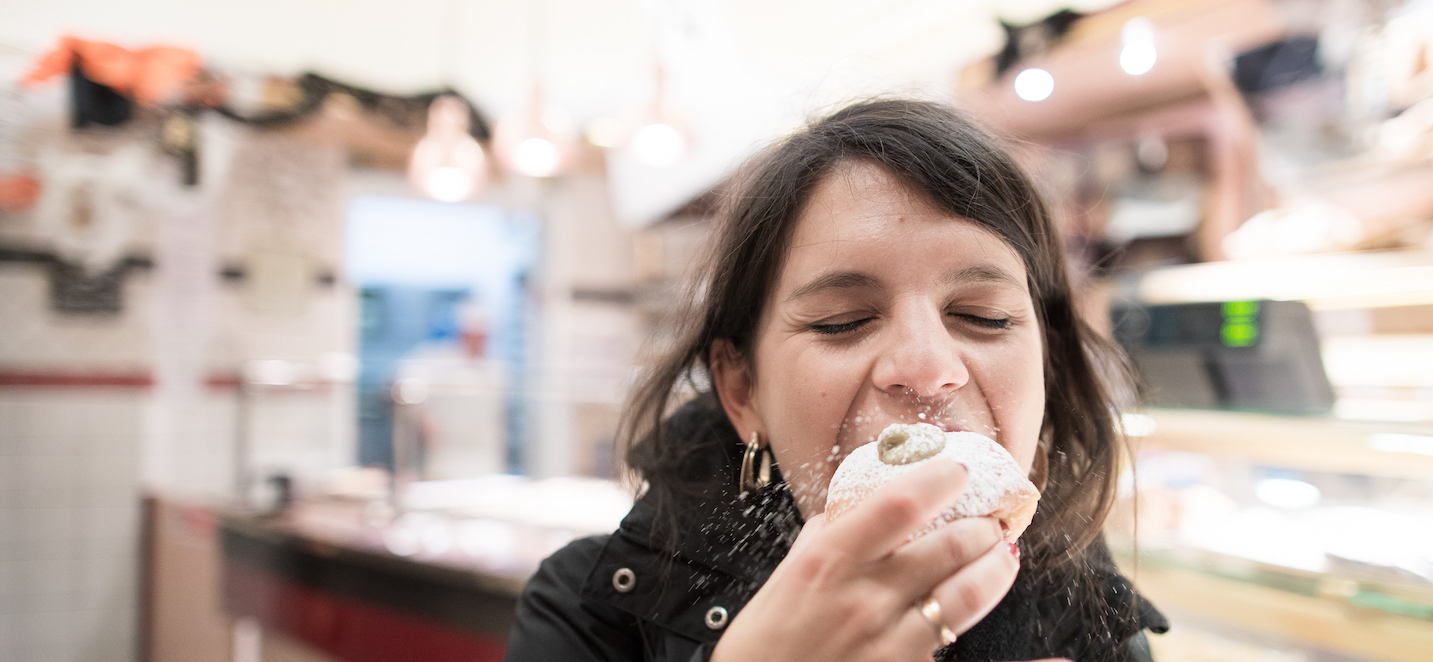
(983, 273)
(834, 280)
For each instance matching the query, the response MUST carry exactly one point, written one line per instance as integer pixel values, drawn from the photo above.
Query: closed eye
(837, 329)
(987, 322)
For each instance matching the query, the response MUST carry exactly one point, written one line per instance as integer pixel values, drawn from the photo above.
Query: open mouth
(950, 427)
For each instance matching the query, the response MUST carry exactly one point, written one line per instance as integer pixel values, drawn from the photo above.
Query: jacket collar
(717, 550)
(714, 527)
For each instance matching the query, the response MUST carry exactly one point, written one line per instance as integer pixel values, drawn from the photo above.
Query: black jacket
(578, 608)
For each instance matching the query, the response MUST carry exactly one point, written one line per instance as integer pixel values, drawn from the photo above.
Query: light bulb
(658, 144)
(1137, 29)
(448, 184)
(1034, 85)
(536, 157)
(537, 140)
(1138, 58)
(1138, 54)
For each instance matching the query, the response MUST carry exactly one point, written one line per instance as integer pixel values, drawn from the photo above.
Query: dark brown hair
(963, 171)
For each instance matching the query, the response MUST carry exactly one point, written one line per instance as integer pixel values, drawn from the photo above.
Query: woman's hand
(851, 590)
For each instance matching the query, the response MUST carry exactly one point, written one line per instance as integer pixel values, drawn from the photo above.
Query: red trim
(125, 380)
(216, 381)
(345, 628)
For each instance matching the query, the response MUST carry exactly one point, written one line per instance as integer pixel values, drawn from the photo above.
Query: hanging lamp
(662, 140)
(537, 141)
(448, 164)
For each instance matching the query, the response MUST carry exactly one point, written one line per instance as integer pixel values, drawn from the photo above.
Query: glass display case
(1293, 537)
(1260, 535)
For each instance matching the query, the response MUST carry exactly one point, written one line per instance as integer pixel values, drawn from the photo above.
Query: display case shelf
(1268, 588)
(1397, 450)
(1324, 281)
(1332, 612)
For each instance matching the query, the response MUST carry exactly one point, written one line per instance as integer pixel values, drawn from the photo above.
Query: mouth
(951, 427)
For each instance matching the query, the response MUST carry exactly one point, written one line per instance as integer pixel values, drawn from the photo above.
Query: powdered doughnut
(998, 486)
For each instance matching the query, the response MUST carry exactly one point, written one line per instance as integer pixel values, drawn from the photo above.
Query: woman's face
(887, 310)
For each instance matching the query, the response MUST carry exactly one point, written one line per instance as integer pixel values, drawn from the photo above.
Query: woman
(888, 264)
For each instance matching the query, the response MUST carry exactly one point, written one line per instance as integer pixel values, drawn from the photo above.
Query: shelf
(1090, 89)
(1398, 450)
(1324, 281)
(1305, 608)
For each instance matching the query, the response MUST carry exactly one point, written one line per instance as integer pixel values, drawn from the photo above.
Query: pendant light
(538, 140)
(662, 140)
(448, 164)
(1034, 84)
(1137, 52)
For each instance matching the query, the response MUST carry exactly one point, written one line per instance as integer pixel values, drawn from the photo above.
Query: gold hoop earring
(1040, 468)
(756, 465)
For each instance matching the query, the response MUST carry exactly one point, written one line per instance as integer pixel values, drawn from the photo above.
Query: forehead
(862, 216)
(853, 183)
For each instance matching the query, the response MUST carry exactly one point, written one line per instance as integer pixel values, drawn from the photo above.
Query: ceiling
(737, 71)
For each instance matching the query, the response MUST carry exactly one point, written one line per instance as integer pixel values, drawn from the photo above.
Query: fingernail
(1014, 550)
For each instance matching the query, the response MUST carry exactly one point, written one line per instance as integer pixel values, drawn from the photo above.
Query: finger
(810, 531)
(915, 636)
(972, 592)
(898, 509)
(810, 535)
(930, 559)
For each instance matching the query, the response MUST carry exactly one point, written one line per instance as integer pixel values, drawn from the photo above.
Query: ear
(731, 376)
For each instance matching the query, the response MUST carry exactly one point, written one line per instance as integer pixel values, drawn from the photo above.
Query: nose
(920, 357)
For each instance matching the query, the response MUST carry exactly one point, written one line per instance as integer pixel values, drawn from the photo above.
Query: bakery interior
(318, 317)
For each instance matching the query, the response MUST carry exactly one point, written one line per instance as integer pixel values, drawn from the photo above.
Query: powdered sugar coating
(998, 486)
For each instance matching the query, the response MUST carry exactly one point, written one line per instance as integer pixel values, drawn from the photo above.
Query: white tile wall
(69, 524)
(296, 432)
(70, 488)
(73, 460)
(191, 445)
(43, 339)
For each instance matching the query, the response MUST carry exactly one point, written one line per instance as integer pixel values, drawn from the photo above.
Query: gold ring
(930, 611)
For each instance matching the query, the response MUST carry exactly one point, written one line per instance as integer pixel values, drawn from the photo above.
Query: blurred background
(316, 317)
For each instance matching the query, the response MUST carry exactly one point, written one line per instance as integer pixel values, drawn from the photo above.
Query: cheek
(1017, 399)
(803, 394)
(802, 402)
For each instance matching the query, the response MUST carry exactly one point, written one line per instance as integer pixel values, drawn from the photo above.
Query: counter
(360, 582)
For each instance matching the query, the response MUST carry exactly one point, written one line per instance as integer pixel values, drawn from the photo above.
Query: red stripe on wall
(347, 629)
(37, 379)
(217, 381)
